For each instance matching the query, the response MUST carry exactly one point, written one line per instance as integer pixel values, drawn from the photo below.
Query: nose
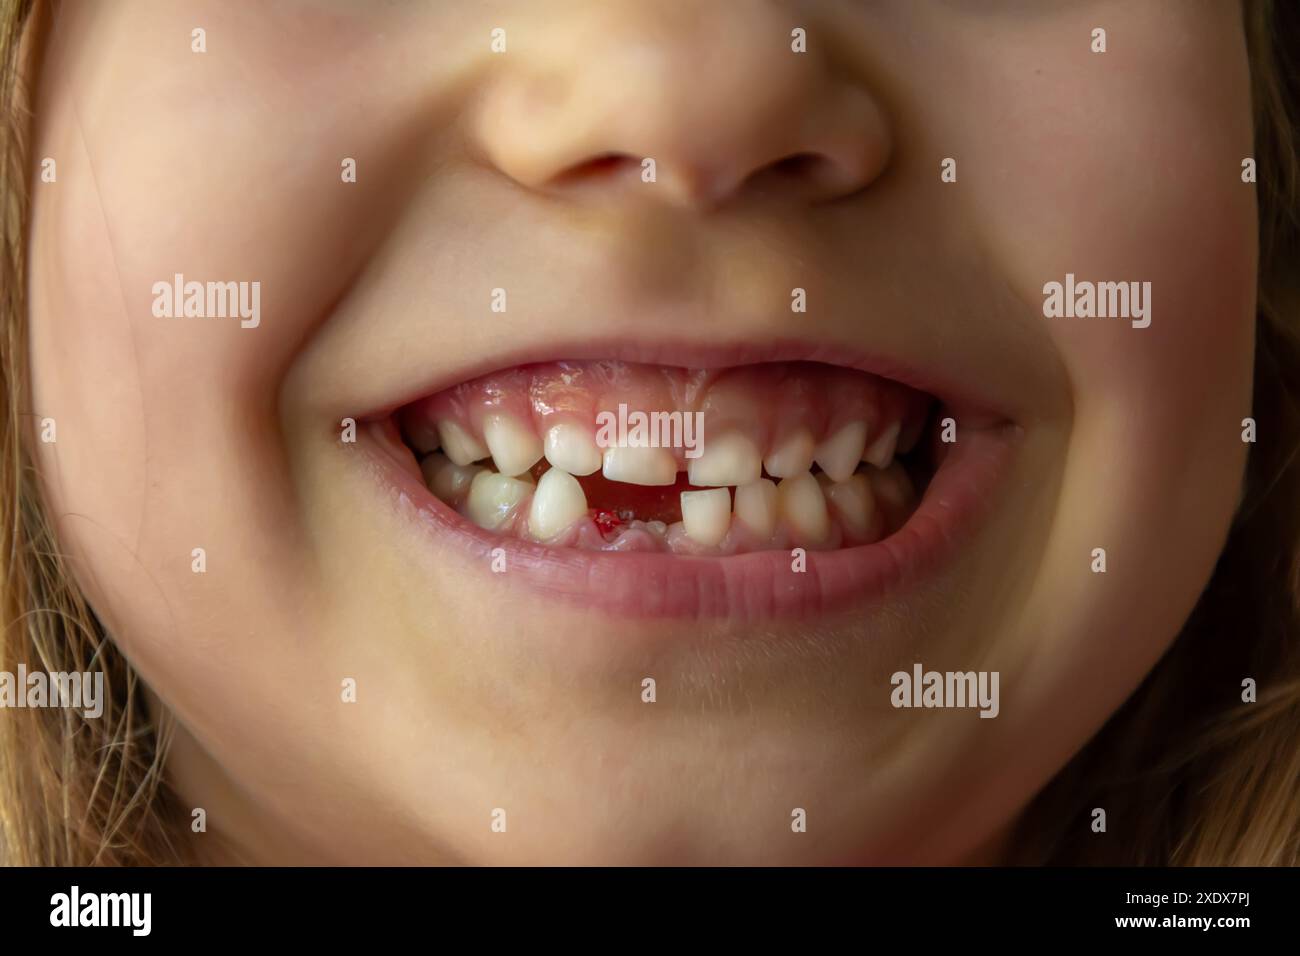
(696, 104)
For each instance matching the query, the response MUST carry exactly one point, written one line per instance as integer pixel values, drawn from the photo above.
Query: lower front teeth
(756, 508)
(493, 498)
(558, 502)
(803, 506)
(706, 515)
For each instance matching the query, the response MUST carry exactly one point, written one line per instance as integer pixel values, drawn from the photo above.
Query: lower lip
(757, 586)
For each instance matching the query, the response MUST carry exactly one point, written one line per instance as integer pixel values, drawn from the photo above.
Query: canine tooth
(572, 448)
(881, 451)
(803, 506)
(640, 466)
(492, 497)
(840, 453)
(729, 459)
(447, 480)
(706, 515)
(514, 445)
(558, 502)
(756, 507)
(852, 503)
(459, 445)
(793, 456)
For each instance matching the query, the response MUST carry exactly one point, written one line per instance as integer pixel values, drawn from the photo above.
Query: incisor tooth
(793, 455)
(881, 451)
(640, 466)
(852, 503)
(756, 507)
(706, 515)
(459, 445)
(840, 453)
(514, 445)
(728, 459)
(558, 502)
(572, 448)
(492, 498)
(447, 480)
(803, 508)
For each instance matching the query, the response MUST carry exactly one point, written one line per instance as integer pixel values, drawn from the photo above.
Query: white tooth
(446, 479)
(492, 497)
(706, 515)
(729, 459)
(803, 506)
(840, 453)
(852, 503)
(557, 503)
(572, 448)
(459, 445)
(514, 445)
(881, 451)
(640, 466)
(756, 507)
(792, 456)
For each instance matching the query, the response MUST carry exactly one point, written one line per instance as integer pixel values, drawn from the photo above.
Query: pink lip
(748, 587)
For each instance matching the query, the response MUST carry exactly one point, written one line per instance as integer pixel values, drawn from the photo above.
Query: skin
(474, 693)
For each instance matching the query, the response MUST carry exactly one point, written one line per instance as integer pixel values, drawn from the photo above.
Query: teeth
(881, 451)
(892, 487)
(447, 480)
(640, 466)
(572, 448)
(756, 507)
(803, 506)
(706, 515)
(840, 453)
(492, 498)
(730, 459)
(852, 503)
(793, 456)
(557, 503)
(459, 445)
(514, 445)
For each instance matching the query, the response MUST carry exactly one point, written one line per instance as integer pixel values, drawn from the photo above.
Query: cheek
(168, 432)
(1125, 166)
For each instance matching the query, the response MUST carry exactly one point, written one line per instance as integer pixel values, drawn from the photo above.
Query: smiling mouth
(679, 491)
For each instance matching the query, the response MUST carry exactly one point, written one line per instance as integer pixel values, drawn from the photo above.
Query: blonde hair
(1187, 772)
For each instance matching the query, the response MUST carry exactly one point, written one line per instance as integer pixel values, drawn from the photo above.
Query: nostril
(599, 170)
(810, 176)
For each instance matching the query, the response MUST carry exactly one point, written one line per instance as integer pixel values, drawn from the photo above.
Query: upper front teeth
(840, 453)
(730, 459)
(793, 455)
(459, 445)
(514, 445)
(640, 466)
(881, 451)
(572, 448)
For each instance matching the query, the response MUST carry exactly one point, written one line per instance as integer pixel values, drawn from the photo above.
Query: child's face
(522, 687)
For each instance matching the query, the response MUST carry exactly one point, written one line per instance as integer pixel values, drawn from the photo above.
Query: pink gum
(765, 402)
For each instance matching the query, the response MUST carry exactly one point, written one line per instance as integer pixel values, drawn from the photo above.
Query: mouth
(790, 487)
